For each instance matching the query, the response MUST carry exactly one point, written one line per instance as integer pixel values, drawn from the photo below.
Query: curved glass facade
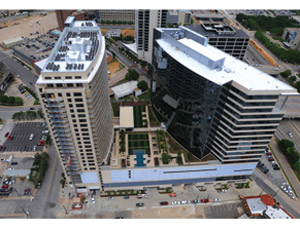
(185, 101)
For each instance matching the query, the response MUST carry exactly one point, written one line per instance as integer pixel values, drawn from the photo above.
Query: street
(7, 112)
(16, 68)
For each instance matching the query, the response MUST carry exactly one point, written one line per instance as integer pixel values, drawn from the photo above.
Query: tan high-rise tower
(73, 90)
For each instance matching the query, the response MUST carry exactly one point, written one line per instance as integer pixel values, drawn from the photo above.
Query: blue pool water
(139, 157)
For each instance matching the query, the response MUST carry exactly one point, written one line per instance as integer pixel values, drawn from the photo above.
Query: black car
(139, 204)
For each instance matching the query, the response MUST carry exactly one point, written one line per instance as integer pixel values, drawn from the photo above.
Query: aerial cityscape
(150, 114)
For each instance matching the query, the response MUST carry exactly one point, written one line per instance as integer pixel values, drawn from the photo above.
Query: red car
(271, 159)
(269, 153)
(5, 186)
(204, 200)
(164, 203)
(172, 194)
(8, 138)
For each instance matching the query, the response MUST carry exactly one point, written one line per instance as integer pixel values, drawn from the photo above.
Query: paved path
(286, 166)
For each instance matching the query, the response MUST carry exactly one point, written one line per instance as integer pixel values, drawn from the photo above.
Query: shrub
(296, 166)
(284, 144)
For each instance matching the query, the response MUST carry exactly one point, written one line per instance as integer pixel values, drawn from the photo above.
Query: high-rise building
(211, 102)
(74, 94)
(222, 35)
(145, 22)
(117, 15)
(61, 16)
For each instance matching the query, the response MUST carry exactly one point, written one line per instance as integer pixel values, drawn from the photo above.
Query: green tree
(142, 85)
(284, 144)
(286, 73)
(132, 74)
(296, 166)
(297, 86)
(292, 79)
(166, 158)
(292, 155)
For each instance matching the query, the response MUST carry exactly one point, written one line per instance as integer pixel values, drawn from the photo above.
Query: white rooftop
(41, 63)
(76, 48)
(200, 59)
(124, 89)
(256, 206)
(126, 117)
(274, 213)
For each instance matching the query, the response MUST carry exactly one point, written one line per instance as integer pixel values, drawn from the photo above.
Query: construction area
(28, 26)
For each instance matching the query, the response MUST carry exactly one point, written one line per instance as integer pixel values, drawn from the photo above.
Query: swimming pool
(139, 157)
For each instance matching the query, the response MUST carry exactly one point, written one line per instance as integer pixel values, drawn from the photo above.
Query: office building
(74, 94)
(222, 35)
(211, 102)
(117, 15)
(62, 15)
(178, 17)
(145, 22)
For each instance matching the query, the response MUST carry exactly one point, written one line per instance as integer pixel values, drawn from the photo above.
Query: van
(45, 132)
(31, 136)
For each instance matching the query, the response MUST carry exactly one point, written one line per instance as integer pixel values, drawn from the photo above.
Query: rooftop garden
(140, 120)
(138, 141)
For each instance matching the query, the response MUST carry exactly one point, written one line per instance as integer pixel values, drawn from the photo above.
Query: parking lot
(21, 137)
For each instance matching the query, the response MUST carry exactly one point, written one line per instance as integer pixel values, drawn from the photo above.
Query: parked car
(271, 159)
(5, 186)
(204, 200)
(195, 201)
(175, 202)
(269, 153)
(93, 200)
(290, 134)
(14, 163)
(139, 204)
(126, 197)
(185, 202)
(6, 134)
(164, 203)
(172, 194)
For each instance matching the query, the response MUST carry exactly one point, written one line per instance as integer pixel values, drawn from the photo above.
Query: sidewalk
(286, 166)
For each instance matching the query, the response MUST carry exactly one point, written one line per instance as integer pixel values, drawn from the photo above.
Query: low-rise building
(292, 38)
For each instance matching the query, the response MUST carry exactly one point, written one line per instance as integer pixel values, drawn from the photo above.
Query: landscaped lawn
(138, 117)
(116, 108)
(145, 96)
(138, 141)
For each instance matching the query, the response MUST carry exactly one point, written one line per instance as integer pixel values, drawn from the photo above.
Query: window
(50, 85)
(68, 77)
(85, 134)
(48, 78)
(78, 99)
(79, 105)
(59, 85)
(83, 125)
(74, 120)
(73, 116)
(72, 110)
(70, 105)
(77, 77)
(81, 115)
(70, 85)
(57, 78)
(79, 84)
(80, 110)
(82, 120)
(59, 94)
(77, 94)
(84, 130)
(68, 95)
(41, 90)
(69, 100)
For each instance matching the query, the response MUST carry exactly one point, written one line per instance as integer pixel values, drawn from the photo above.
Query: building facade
(74, 94)
(61, 16)
(292, 38)
(222, 35)
(211, 102)
(117, 15)
(178, 17)
(145, 22)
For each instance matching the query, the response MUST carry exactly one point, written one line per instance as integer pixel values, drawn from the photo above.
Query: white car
(34, 148)
(290, 134)
(93, 200)
(217, 199)
(184, 202)
(174, 203)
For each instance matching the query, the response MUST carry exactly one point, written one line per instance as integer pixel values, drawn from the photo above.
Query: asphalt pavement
(16, 68)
